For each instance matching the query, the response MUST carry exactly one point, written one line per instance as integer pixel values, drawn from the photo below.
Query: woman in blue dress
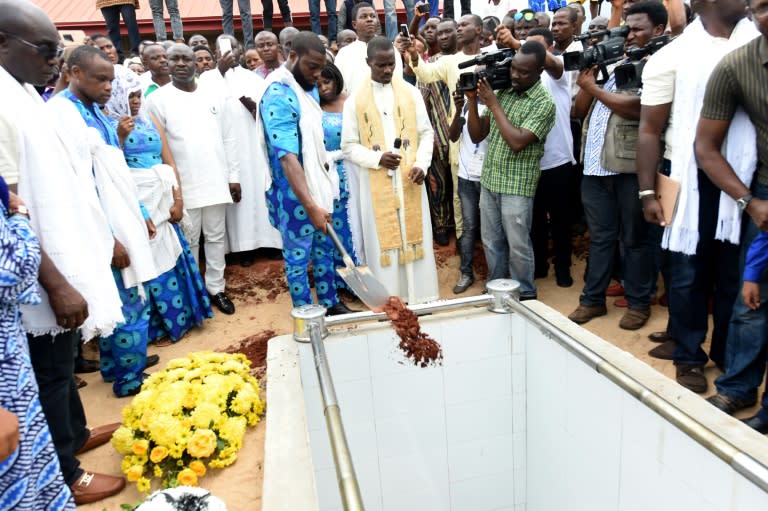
(178, 299)
(30, 476)
(332, 99)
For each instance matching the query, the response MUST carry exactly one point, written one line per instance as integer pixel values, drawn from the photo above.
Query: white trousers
(211, 221)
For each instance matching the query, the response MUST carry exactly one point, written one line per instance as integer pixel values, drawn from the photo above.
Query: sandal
(162, 342)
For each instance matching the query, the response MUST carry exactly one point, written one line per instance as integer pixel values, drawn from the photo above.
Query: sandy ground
(263, 305)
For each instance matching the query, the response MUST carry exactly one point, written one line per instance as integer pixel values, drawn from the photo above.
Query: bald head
(265, 36)
(286, 38)
(29, 42)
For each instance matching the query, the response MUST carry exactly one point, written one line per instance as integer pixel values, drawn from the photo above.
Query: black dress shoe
(756, 423)
(339, 308)
(223, 303)
(660, 337)
(152, 360)
(441, 239)
(83, 365)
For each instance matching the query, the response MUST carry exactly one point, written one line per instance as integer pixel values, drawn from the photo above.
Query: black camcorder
(495, 71)
(608, 51)
(629, 75)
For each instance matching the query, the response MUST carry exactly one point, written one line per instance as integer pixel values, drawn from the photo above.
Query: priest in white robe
(392, 200)
(351, 59)
(248, 226)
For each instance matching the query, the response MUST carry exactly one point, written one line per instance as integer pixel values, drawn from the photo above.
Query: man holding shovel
(302, 191)
(386, 132)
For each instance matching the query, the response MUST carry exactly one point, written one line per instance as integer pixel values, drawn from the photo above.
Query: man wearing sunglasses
(86, 300)
(525, 20)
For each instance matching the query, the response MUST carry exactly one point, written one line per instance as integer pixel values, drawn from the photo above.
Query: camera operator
(609, 187)
(554, 189)
(672, 96)
(516, 121)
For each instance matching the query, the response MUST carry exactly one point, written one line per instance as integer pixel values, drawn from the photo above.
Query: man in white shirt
(205, 149)
(351, 60)
(397, 241)
(156, 62)
(248, 226)
(553, 191)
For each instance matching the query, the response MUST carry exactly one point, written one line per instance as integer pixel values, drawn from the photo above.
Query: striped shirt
(740, 80)
(517, 173)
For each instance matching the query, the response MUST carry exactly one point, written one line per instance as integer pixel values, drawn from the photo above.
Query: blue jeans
(505, 226)
(614, 214)
(390, 17)
(227, 22)
(747, 345)
(469, 195)
(156, 6)
(712, 271)
(314, 17)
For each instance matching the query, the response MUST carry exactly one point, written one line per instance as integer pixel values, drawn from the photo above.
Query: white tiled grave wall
(592, 446)
(450, 437)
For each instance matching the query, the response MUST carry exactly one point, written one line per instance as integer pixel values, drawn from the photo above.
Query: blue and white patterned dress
(30, 478)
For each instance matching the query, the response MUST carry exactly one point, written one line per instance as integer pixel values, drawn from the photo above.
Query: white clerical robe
(248, 226)
(414, 282)
(351, 61)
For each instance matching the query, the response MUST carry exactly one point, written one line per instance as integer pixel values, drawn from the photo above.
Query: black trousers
(448, 8)
(268, 12)
(552, 202)
(112, 19)
(53, 360)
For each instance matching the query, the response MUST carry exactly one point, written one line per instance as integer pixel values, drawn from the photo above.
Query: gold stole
(385, 199)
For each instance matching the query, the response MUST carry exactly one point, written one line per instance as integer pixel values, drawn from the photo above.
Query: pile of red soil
(254, 348)
(415, 344)
(262, 282)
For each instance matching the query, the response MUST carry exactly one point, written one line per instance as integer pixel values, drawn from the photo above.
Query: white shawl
(120, 200)
(702, 53)
(323, 185)
(65, 212)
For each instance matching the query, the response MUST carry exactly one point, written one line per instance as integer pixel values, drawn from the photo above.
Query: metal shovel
(360, 279)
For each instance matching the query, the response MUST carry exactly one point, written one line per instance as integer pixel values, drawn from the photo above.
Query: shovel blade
(362, 282)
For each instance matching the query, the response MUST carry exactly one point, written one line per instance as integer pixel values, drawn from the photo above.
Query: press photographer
(609, 187)
(516, 121)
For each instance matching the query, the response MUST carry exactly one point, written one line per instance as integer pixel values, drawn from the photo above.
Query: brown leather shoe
(634, 319)
(692, 378)
(664, 351)
(660, 337)
(91, 487)
(584, 313)
(98, 436)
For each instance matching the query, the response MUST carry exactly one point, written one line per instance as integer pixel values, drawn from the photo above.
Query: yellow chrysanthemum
(133, 473)
(187, 477)
(122, 440)
(158, 454)
(205, 415)
(198, 467)
(202, 444)
(143, 485)
(233, 430)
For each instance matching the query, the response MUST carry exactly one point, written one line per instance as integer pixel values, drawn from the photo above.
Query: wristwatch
(19, 210)
(744, 201)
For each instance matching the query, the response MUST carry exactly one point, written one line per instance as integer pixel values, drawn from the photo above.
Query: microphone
(396, 149)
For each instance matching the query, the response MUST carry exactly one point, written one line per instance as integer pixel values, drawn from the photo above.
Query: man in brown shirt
(740, 80)
(112, 10)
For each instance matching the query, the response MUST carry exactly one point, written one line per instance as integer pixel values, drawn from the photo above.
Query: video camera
(496, 70)
(607, 52)
(629, 75)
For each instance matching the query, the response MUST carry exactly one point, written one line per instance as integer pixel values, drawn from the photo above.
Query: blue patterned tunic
(302, 243)
(30, 478)
(340, 214)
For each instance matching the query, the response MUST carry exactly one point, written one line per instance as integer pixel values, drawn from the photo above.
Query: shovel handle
(336, 241)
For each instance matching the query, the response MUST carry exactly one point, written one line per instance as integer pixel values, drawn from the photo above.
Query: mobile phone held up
(404, 31)
(225, 45)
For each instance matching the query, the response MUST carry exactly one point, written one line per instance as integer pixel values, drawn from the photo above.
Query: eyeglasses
(47, 50)
(527, 16)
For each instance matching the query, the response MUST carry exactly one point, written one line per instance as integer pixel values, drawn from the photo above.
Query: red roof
(197, 15)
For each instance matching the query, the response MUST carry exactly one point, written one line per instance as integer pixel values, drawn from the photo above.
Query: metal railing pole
(310, 319)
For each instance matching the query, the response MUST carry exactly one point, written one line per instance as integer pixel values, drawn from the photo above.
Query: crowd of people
(126, 182)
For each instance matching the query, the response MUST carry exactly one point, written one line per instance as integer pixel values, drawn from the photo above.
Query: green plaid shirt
(505, 171)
